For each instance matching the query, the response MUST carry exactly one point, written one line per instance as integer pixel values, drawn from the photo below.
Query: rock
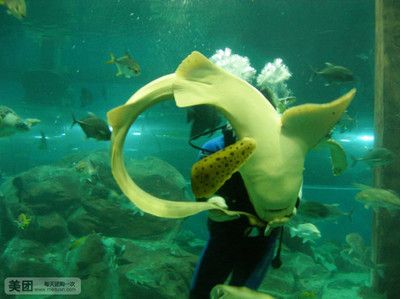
(309, 274)
(120, 218)
(25, 258)
(158, 178)
(137, 275)
(304, 266)
(49, 228)
(87, 254)
(48, 188)
(81, 223)
(188, 241)
(280, 282)
(345, 285)
(347, 264)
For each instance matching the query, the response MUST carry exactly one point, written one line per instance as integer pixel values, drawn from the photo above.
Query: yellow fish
(17, 8)
(23, 221)
(126, 66)
(77, 242)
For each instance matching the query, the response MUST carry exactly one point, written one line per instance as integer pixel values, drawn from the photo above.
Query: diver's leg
(214, 266)
(256, 256)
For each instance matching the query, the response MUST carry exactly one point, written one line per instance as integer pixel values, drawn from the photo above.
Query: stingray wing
(312, 122)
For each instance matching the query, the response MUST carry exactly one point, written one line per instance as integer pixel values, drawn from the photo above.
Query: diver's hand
(278, 222)
(218, 215)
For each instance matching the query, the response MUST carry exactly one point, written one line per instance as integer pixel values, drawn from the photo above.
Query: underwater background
(62, 214)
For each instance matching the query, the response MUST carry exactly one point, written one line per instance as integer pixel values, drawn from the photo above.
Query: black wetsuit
(234, 247)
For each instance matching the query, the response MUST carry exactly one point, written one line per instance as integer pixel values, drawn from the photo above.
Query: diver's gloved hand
(217, 215)
(278, 222)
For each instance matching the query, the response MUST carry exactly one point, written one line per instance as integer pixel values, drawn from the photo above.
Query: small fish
(334, 74)
(202, 118)
(377, 198)
(306, 231)
(16, 8)
(221, 291)
(77, 242)
(43, 141)
(347, 123)
(22, 221)
(126, 66)
(86, 97)
(93, 127)
(375, 157)
(313, 211)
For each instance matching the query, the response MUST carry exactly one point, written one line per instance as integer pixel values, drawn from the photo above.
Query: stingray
(272, 169)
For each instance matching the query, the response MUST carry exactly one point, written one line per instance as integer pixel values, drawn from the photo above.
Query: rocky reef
(70, 220)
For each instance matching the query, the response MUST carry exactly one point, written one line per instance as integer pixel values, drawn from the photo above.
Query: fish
(334, 74)
(375, 157)
(282, 141)
(126, 66)
(93, 127)
(16, 8)
(313, 211)
(23, 221)
(86, 97)
(43, 141)
(306, 231)
(377, 198)
(77, 242)
(202, 118)
(221, 291)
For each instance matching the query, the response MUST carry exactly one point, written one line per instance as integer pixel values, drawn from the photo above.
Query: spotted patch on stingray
(211, 172)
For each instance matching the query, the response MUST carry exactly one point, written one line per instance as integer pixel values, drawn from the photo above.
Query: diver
(235, 249)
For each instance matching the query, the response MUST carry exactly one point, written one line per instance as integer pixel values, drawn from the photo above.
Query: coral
(234, 64)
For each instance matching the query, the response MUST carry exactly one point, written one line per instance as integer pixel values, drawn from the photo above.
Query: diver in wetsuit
(235, 248)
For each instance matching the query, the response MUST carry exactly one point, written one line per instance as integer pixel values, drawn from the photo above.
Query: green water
(62, 46)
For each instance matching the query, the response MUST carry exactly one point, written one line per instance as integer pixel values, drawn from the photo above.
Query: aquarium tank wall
(66, 225)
